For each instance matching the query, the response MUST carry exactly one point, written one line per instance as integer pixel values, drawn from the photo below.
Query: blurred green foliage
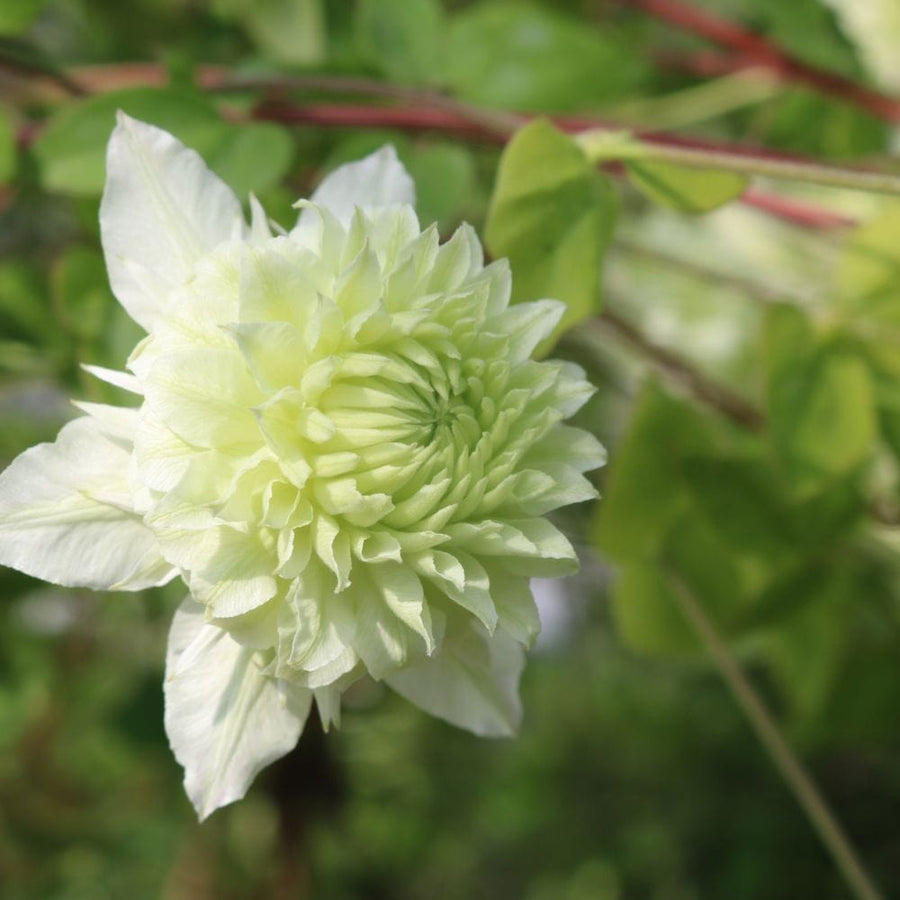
(634, 775)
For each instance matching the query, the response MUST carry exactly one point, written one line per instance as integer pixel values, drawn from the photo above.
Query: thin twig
(601, 145)
(754, 49)
(761, 720)
(19, 60)
(430, 111)
(798, 212)
(405, 118)
(718, 397)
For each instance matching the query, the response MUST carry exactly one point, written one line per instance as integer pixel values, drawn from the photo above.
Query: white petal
(527, 324)
(225, 720)
(117, 422)
(124, 380)
(162, 209)
(260, 232)
(378, 180)
(66, 514)
(473, 682)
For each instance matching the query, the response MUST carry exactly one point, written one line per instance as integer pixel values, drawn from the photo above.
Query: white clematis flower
(341, 445)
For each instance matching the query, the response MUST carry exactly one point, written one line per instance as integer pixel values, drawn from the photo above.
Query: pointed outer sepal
(378, 180)
(66, 514)
(473, 682)
(328, 699)
(162, 210)
(260, 232)
(124, 380)
(328, 703)
(118, 423)
(225, 719)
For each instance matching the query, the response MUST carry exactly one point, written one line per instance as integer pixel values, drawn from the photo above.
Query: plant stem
(795, 211)
(698, 103)
(599, 147)
(797, 779)
(421, 111)
(754, 49)
(703, 388)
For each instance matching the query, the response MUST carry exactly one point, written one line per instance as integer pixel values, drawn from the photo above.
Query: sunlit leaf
(821, 401)
(868, 275)
(686, 189)
(551, 215)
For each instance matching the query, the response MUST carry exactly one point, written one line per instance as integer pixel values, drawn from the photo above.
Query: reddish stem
(796, 211)
(420, 112)
(405, 118)
(448, 121)
(754, 48)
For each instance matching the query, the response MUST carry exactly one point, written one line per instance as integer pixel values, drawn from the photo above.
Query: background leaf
(71, 149)
(685, 189)
(551, 215)
(403, 39)
(525, 56)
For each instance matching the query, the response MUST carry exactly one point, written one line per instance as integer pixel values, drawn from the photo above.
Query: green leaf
(788, 593)
(24, 311)
(17, 15)
(698, 551)
(821, 401)
(82, 293)
(289, 32)
(868, 275)
(71, 150)
(7, 148)
(252, 157)
(646, 490)
(808, 648)
(742, 501)
(444, 175)
(646, 612)
(523, 56)
(686, 189)
(552, 216)
(645, 608)
(403, 39)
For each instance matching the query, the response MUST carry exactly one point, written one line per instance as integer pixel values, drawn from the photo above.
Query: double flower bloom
(341, 444)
